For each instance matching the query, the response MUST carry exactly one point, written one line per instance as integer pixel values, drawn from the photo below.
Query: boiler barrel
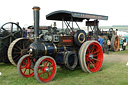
(52, 49)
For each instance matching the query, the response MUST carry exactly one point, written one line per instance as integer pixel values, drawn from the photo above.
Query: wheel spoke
(41, 73)
(16, 52)
(96, 51)
(18, 58)
(23, 67)
(24, 63)
(32, 69)
(15, 56)
(46, 63)
(93, 61)
(96, 59)
(11, 27)
(23, 46)
(14, 37)
(27, 44)
(88, 65)
(95, 55)
(51, 66)
(88, 51)
(28, 60)
(25, 70)
(43, 63)
(92, 49)
(15, 49)
(10, 39)
(29, 71)
(18, 47)
(47, 73)
(93, 65)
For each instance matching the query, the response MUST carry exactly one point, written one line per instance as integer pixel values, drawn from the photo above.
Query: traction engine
(67, 48)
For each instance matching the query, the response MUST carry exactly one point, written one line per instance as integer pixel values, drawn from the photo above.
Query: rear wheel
(17, 49)
(115, 43)
(91, 56)
(45, 69)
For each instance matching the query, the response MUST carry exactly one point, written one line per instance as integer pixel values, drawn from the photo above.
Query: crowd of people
(106, 43)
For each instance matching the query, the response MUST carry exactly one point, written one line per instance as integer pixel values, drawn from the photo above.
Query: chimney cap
(36, 8)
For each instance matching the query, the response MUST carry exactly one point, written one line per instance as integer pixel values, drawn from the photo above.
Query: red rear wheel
(91, 56)
(25, 66)
(45, 69)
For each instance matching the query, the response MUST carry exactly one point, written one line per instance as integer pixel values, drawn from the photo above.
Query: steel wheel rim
(46, 70)
(25, 69)
(116, 43)
(17, 49)
(94, 57)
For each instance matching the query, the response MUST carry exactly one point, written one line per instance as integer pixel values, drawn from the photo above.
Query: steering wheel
(11, 31)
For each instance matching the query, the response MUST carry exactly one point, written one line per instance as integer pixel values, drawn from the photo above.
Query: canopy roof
(75, 16)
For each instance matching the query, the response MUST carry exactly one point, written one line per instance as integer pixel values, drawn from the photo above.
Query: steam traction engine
(94, 32)
(67, 48)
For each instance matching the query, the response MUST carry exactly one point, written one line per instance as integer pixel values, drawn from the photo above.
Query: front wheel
(45, 69)
(25, 66)
(91, 56)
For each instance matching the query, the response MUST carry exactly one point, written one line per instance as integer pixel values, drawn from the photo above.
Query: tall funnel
(36, 23)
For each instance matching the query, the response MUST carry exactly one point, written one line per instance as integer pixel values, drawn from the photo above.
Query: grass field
(114, 72)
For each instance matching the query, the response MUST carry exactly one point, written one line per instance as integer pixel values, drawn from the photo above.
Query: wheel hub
(90, 57)
(46, 69)
(27, 66)
(23, 52)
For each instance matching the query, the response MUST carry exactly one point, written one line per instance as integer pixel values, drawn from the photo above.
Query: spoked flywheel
(115, 43)
(91, 56)
(45, 69)
(25, 66)
(11, 31)
(17, 49)
(8, 33)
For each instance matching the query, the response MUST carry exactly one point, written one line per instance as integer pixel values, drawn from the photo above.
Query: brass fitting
(36, 8)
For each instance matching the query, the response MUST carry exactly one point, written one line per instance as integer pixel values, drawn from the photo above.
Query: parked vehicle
(67, 49)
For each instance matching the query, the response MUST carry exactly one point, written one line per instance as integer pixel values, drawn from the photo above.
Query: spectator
(106, 44)
(100, 40)
(124, 43)
(24, 33)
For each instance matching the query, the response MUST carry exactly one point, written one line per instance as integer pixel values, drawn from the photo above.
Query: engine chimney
(36, 23)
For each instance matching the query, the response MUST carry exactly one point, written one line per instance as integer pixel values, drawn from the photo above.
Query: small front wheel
(45, 69)
(25, 66)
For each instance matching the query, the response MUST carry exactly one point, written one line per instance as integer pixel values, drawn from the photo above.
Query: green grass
(112, 73)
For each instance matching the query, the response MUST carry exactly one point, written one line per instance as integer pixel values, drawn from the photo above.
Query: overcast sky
(21, 10)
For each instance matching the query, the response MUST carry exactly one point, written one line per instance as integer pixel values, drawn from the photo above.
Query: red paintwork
(25, 69)
(95, 63)
(42, 73)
